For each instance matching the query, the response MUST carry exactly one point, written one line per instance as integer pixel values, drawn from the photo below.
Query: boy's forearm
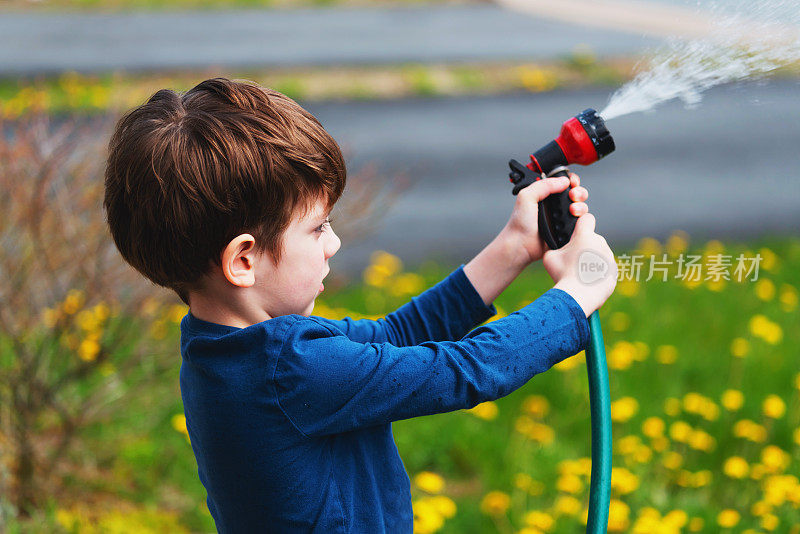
(496, 266)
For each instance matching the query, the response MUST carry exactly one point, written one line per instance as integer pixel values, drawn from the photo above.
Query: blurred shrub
(68, 343)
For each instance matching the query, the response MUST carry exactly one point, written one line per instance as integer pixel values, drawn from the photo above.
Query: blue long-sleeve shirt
(290, 418)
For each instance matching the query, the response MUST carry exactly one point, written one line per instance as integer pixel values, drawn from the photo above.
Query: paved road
(728, 169)
(46, 43)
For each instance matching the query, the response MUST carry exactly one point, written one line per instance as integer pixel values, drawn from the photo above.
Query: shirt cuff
(473, 301)
(577, 313)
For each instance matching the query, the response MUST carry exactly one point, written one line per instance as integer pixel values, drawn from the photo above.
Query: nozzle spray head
(584, 139)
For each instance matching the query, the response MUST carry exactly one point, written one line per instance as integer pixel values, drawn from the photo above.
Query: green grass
(147, 468)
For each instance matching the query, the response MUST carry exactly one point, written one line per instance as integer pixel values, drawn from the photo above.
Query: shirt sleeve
(327, 383)
(445, 312)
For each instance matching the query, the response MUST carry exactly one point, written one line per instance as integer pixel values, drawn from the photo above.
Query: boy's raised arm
(518, 244)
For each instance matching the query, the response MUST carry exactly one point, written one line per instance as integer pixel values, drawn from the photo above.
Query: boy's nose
(332, 245)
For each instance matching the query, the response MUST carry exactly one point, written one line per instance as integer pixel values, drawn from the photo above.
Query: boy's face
(294, 284)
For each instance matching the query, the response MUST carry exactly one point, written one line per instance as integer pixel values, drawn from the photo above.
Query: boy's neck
(237, 315)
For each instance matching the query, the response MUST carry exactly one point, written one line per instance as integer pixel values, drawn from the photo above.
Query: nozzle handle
(556, 223)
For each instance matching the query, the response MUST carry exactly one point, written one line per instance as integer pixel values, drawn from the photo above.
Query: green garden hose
(600, 402)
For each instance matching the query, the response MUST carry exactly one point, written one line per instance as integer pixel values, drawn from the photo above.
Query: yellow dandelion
(623, 481)
(618, 516)
(713, 246)
(736, 467)
(179, 423)
(732, 399)
(536, 405)
(769, 331)
(666, 354)
(628, 288)
(642, 350)
(760, 508)
(672, 460)
(444, 505)
(50, 317)
(680, 431)
(769, 522)
(765, 289)
(648, 246)
(757, 471)
(728, 518)
(672, 406)
(569, 484)
(567, 505)
(797, 381)
(750, 430)
(568, 364)
(676, 519)
(485, 410)
(624, 409)
(775, 459)
(429, 482)
(101, 311)
(536, 79)
(407, 284)
(523, 481)
(740, 347)
(176, 312)
(774, 407)
(788, 297)
(427, 518)
(769, 260)
(88, 350)
(696, 524)
(389, 262)
(702, 441)
(677, 243)
(653, 427)
(709, 410)
(73, 301)
(701, 478)
(158, 330)
(627, 445)
(660, 443)
(621, 355)
(495, 503)
(796, 436)
(537, 519)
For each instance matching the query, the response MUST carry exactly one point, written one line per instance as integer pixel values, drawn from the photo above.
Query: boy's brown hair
(188, 173)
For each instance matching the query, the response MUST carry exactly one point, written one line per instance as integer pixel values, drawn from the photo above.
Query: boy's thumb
(540, 189)
(585, 224)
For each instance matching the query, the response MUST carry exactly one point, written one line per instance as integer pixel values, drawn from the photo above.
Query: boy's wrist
(512, 245)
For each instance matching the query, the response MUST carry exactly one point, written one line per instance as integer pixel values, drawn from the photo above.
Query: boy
(223, 194)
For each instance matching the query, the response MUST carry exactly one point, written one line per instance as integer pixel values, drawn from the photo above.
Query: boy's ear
(238, 261)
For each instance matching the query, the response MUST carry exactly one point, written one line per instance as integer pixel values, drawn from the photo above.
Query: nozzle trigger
(521, 176)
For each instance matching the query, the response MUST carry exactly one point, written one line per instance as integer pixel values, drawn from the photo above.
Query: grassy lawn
(705, 397)
(115, 92)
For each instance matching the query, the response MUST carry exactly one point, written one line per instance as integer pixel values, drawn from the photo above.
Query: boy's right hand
(584, 267)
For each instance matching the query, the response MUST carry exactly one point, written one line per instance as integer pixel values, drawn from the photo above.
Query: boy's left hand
(522, 228)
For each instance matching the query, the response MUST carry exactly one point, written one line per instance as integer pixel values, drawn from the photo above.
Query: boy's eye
(321, 227)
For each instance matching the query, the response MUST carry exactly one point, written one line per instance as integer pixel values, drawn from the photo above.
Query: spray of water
(748, 40)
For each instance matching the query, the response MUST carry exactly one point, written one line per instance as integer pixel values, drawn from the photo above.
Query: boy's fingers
(578, 208)
(538, 191)
(574, 180)
(578, 194)
(585, 224)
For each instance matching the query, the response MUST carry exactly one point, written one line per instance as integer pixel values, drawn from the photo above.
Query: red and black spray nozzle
(584, 139)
